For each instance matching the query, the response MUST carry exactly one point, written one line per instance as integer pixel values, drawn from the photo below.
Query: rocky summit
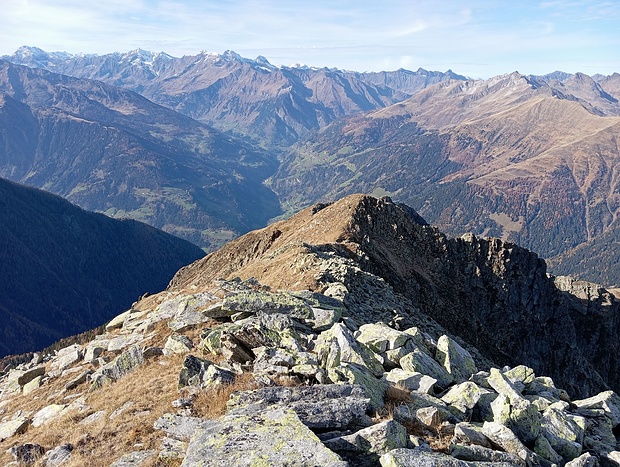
(352, 334)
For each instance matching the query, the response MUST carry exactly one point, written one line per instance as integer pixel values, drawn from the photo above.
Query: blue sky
(477, 38)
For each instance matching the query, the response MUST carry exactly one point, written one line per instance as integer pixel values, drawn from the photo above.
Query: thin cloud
(483, 36)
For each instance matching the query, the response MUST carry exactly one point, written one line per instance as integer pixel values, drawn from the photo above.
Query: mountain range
(530, 159)
(273, 104)
(511, 157)
(111, 150)
(65, 270)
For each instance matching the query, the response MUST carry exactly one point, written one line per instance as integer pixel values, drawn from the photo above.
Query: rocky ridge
(338, 368)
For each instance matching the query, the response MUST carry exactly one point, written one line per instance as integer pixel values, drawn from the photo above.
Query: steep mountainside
(111, 150)
(65, 270)
(471, 287)
(366, 359)
(512, 157)
(276, 105)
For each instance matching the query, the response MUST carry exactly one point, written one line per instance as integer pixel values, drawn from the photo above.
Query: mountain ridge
(66, 270)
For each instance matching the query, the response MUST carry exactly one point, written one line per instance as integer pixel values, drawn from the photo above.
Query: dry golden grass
(150, 388)
(212, 403)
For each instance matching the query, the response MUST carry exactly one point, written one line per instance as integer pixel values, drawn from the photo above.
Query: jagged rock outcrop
(493, 294)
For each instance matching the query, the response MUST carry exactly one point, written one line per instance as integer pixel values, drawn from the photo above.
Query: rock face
(384, 385)
(493, 294)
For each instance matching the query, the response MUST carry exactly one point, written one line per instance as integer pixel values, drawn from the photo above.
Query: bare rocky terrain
(331, 339)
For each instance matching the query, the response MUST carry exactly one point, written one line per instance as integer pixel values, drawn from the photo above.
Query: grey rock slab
(503, 385)
(177, 426)
(462, 397)
(177, 344)
(363, 448)
(455, 359)
(132, 459)
(324, 318)
(171, 448)
(117, 321)
(322, 407)
(337, 345)
(80, 379)
(272, 436)
(608, 401)
(422, 458)
(482, 454)
(380, 338)
(351, 373)
(420, 362)
(585, 460)
(118, 343)
(58, 455)
(93, 418)
(124, 364)
(66, 357)
(564, 432)
(412, 381)
(30, 374)
(470, 434)
(253, 301)
(203, 373)
(13, 427)
(47, 413)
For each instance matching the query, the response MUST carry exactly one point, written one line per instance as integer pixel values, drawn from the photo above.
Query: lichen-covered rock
(461, 398)
(455, 359)
(422, 458)
(30, 386)
(254, 301)
(30, 374)
(481, 454)
(337, 345)
(510, 408)
(189, 310)
(380, 338)
(203, 373)
(543, 448)
(324, 319)
(467, 433)
(171, 449)
(410, 381)
(177, 344)
(564, 432)
(355, 374)
(320, 407)
(125, 363)
(608, 401)
(13, 427)
(272, 436)
(420, 362)
(363, 448)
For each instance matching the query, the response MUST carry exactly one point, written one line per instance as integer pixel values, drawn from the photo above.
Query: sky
(476, 38)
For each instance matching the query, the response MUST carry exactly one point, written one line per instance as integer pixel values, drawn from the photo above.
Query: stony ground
(313, 386)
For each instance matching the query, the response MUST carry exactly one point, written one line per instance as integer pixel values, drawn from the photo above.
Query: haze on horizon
(477, 38)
